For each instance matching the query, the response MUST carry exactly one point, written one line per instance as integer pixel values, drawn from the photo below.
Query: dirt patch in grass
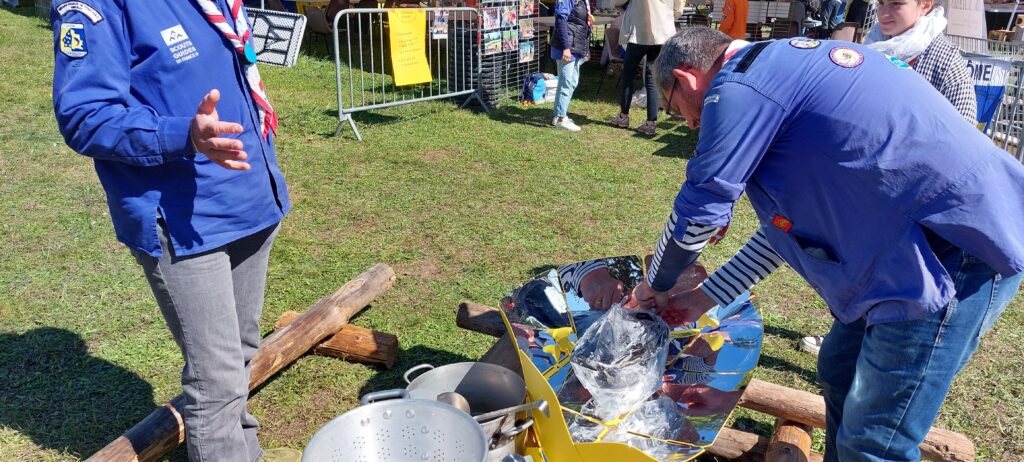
(440, 155)
(426, 269)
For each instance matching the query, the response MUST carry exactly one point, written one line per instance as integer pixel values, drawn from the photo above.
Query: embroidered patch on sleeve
(846, 57)
(72, 40)
(805, 43)
(80, 7)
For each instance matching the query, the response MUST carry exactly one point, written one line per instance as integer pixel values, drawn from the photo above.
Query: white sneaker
(812, 344)
(566, 124)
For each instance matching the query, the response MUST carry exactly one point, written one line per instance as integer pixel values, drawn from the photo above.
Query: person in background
(832, 12)
(646, 25)
(734, 23)
(911, 32)
(195, 193)
(570, 47)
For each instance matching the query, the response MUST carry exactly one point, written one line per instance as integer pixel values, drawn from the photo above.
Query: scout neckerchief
(240, 42)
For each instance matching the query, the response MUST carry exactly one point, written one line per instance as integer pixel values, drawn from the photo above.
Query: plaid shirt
(943, 66)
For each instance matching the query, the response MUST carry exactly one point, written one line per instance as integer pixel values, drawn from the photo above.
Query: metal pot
(487, 388)
(387, 428)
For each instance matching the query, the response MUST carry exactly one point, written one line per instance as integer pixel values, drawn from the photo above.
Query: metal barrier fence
(363, 65)
(994, 48)
(1007, 126)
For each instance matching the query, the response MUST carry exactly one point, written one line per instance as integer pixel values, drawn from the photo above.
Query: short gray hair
(694, 46)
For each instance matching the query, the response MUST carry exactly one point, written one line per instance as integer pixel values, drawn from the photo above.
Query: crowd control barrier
(435, 51)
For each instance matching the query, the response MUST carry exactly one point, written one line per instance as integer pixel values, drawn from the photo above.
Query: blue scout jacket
(847, 157)
(128, 78)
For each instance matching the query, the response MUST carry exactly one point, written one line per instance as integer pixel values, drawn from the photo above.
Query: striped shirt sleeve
(674, 254)
(571, 275)
(754, 262)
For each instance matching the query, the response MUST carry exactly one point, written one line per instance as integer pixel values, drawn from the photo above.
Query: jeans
(212, 303)
(635, 53)
(884, 383)
(568, 78)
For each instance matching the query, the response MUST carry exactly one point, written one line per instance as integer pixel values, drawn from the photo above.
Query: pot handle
(414, 369)
(512, 432)
(397, 393)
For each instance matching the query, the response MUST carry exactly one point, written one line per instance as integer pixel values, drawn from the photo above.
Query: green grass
(462, 206)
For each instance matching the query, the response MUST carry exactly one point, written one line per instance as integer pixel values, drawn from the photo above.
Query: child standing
(570, 46)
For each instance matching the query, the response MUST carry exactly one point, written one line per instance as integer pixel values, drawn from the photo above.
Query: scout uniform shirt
(847, 157)
(128, 78)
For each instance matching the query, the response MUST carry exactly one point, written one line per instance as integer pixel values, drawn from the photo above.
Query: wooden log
(790, 442)
(353, 343)
(503, 353)
(779, 401)
(162, 430)
(809, 408)
(740, 446)
(480, 318)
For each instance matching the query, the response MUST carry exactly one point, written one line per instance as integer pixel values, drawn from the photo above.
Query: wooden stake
(480, 318)
(790, 442)
(809, 408)
(162, 430)
(353, 343)
(741, 446)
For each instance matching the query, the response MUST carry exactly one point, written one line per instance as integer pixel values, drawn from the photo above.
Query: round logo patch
(805, 43)
(897, 62)
(846, 57)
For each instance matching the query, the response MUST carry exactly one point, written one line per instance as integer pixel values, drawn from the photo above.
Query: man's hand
(205, 135)
(685, 308)
(567, 56)
(643, 296)
(719, 235)
(702, 400)
(600, 290)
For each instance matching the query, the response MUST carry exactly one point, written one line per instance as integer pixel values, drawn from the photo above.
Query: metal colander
(399, 430)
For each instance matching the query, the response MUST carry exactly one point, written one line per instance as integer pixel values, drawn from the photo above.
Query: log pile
(163, 429)
(353, 343)
(797, 412)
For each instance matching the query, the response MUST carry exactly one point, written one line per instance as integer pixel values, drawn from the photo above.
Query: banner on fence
(990, 76)
(408, 46)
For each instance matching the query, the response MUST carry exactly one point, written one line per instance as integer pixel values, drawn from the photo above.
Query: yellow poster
(408, 46)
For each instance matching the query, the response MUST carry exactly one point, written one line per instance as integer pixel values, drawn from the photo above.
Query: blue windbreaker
(847, 157)
(128, 78)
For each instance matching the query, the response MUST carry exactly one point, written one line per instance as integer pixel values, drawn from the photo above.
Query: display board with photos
(511, 50)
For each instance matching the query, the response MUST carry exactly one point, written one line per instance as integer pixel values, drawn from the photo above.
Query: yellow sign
(408, 46)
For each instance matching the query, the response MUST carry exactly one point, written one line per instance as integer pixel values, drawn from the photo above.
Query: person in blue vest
(570, 47)
(165, 97)
(904, 219)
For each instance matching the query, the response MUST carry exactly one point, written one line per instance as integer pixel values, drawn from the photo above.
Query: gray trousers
(212, 304)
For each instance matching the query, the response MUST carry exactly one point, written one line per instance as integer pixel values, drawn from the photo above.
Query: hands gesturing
(205, 134)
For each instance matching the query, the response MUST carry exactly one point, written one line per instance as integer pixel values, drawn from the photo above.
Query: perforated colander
(394, 429)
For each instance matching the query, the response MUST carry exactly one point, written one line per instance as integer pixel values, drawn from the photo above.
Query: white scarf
(911, 43)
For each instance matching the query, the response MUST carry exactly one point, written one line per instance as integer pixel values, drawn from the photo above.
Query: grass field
(463, 206)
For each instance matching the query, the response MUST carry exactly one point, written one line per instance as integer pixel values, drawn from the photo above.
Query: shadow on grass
(521, 115)
(374, 118)
(29, 11)
(537, 270)
(407, 358)
(779, 364)
(752, 426)
(61, 397)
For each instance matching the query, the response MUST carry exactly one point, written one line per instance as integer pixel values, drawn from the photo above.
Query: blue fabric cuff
(175, 143)
(709, 203)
